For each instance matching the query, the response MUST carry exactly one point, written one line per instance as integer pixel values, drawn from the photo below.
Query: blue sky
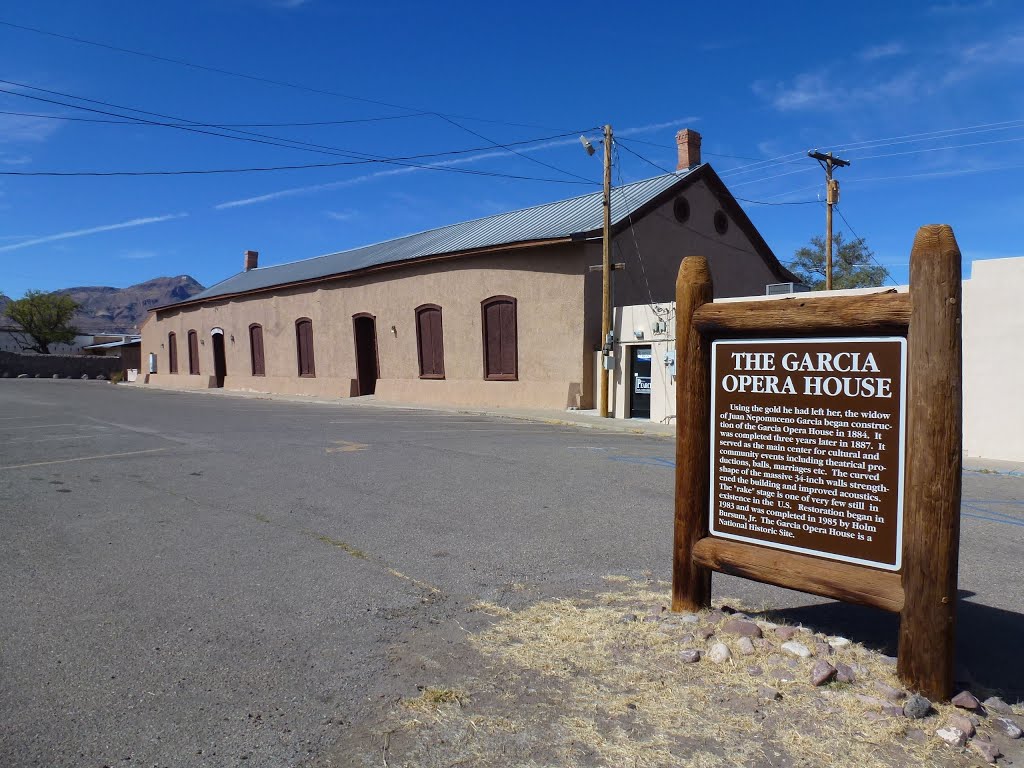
(924, 98)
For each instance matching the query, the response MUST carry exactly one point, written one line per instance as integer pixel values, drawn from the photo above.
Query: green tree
(853, 264)
(45, 319)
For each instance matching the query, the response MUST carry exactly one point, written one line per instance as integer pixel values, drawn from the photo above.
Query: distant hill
(122, 310)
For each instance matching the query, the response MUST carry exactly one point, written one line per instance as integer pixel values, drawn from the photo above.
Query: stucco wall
(993, 329)
(652, 252)
(662, 242)
(546, 282)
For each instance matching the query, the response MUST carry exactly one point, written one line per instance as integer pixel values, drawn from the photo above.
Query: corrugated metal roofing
(563, 218)
(114, 344)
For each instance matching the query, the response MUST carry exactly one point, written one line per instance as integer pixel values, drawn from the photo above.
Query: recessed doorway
(220, 363)
(640, 386)
(364, 328)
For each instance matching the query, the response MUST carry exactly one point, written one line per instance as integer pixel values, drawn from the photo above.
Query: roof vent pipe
(252, 259)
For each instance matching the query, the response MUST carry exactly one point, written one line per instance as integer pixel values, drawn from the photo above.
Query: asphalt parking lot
(192, 579)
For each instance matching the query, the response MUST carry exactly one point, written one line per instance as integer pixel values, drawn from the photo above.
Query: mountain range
(121, 310)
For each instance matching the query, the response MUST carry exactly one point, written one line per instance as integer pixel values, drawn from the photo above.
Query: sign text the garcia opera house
(819, 448)
(807, 446)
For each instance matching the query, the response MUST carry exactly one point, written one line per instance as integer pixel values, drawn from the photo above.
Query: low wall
(13, 365)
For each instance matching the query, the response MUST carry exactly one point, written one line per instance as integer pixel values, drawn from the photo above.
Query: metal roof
(563, 218)
(114, 344)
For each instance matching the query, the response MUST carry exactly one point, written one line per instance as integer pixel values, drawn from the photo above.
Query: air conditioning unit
(778, 289)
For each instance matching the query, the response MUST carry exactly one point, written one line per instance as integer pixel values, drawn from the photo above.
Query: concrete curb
(582, 420)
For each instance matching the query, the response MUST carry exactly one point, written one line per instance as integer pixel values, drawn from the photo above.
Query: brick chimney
(252, 258)
(688, 143)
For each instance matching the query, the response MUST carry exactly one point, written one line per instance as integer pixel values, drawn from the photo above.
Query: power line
(745, 200)
(632, 231)
(221, 125)
(254, 78)
(669, 146)
(870, 254)
(264, 169)
(359, 158)
(514, 152)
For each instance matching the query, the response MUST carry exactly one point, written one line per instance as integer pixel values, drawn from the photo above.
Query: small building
(499, 311)
(128, 348)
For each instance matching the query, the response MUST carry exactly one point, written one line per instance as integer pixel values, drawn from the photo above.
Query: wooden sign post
(819, 448)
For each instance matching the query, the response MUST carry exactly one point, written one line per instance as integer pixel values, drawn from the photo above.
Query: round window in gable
(681, 209)
(721, 222)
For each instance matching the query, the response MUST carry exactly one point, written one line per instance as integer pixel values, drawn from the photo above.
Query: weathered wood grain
(931, 539)
(841, 581)
(691, 583)
(873, 313)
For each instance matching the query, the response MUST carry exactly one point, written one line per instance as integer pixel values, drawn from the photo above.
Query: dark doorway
(220, 366)
(364, 328)
(640, 391)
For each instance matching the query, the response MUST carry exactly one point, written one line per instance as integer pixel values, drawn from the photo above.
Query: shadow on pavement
(988, 645)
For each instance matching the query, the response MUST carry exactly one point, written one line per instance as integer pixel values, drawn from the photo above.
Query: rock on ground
(742, 628)
(797, 649)
(689, 657)
(785, 633)
(822, 673)
(845, 673)
(745, 646)
(965, 700)
(988, 751)
(1007, 727)
(890, 693)
(995, 704)
(918, 706)
(961, 723)
(719, 653)
(952, 736)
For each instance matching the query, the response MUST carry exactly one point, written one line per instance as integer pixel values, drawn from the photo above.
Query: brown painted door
(193, 353)
(365, 329)
(220, 365)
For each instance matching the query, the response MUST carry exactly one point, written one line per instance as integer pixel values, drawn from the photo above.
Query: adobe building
(499, 311)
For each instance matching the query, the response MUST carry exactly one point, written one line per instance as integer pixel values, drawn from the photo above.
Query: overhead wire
(254, 78)
(220, 125)
(249, 136)
(860, 239)
(514, 152)
(632, 230)
(744, 199)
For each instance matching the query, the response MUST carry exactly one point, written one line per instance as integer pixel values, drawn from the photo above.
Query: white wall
(993, 334)
(993, 357)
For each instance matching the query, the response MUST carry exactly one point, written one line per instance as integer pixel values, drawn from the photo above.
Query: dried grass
(568, 683)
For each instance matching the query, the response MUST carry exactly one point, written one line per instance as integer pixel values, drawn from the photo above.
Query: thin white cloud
(958, 7)
(465, 160)
(139, 254)
(15, 129)
(345, 215)
(15, 159)
(884, 51)
(818, 90)
(92, 231)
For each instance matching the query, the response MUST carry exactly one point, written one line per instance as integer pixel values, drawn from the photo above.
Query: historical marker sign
(793, 415)
(807, 443)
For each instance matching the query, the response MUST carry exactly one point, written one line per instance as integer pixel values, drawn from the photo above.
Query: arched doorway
(364, 329)
(220, 364)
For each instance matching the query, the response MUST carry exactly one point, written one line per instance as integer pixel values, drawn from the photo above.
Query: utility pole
(606, 274)
(828, 162)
